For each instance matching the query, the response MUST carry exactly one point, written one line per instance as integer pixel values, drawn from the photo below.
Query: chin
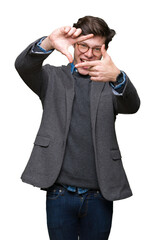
(83, 71)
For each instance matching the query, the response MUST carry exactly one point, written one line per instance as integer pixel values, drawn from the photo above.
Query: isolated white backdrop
(22, 207)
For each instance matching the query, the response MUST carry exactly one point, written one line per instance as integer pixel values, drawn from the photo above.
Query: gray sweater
(78, 167)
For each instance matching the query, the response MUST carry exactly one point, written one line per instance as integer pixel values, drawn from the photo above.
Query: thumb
(103, 51)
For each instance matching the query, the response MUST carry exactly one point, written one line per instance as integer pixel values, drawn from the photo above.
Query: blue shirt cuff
(42, 49)
(119, 87)
(122, 82)
(38, 49)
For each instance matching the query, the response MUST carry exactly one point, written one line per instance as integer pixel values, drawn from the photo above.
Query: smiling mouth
(82, 60)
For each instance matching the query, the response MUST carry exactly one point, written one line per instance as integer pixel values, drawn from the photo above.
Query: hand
(62, 38)
(103, 70)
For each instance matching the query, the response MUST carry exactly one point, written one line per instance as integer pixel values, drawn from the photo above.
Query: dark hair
(97, 26)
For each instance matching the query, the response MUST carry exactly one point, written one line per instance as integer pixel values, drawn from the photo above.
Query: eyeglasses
(84, 48)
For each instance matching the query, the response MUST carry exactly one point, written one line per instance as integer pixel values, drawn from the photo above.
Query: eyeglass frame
(97, 55)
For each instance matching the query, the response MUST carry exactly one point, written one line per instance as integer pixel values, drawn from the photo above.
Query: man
(76, 157)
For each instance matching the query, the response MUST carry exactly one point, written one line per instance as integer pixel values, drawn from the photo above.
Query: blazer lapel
(69, 86)
(96, 89)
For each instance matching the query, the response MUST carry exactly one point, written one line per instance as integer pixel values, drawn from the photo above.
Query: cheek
(77, 57)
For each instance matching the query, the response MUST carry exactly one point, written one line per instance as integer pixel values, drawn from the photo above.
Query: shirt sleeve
(38, 49)
(119, 85)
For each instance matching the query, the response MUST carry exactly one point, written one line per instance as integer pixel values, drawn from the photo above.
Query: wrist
(116, 75)
(119, 79)
(46, 44)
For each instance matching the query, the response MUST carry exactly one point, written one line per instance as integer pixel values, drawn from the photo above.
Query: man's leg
(95, 217)
(62, 220)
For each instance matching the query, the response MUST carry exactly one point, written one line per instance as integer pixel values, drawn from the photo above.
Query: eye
(97, 49)
(83, 45)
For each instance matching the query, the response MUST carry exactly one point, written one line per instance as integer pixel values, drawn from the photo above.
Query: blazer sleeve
(128, 102)
(29, 66)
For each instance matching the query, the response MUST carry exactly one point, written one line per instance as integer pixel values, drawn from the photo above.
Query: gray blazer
(55, 88)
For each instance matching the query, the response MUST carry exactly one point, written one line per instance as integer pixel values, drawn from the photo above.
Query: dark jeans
(70, 215)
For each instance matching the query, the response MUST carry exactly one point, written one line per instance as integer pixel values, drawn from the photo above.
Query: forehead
(95, 41)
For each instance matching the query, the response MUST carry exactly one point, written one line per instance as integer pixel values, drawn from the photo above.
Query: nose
(89, 53)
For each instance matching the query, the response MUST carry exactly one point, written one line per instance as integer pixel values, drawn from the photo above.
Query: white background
(22, 207)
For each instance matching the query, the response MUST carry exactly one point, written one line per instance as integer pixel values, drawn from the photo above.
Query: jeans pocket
(55, 192)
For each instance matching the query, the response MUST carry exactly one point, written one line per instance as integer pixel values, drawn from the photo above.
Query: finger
(103, 51)
(77, 33)
(94, 79)
(97, 79)
(71, 32)
(68, 55)
(84, 37)
(93, 69)
(86, 64)
(93, 74)
(65, 29)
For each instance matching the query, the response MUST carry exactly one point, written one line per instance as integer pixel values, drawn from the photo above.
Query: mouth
(84, 60)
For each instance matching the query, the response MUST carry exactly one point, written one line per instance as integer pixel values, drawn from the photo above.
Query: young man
(76, 157)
